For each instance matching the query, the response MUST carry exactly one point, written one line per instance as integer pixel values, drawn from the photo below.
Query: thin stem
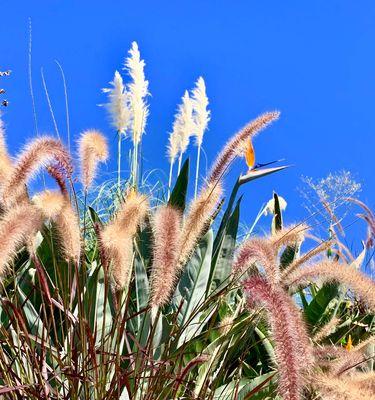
(119, 159)
(197, 171)
(170, 178)
(179, 163)
(135, 164)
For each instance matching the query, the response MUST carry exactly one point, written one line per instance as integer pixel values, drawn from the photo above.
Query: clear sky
(312, 60)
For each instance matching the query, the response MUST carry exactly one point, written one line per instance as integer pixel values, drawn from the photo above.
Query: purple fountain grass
(198, 218)
(329, 271)
(237, 144)
(166, 250)
(289, 235)
(257, 250)
(57, 207)
(292, 348)
(93, 149)
(39, 153)
(17, 226)
(118, 235)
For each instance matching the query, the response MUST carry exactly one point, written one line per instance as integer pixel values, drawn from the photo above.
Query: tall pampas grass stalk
(328, 271)
(17, 226)
(166, 250)
(92, 149)
(41, 152)
(292, 348)
(201, 118)
(236, 146)
(119, 111)
(198, 219)
(57, 207)
(138, 91)
(118, 235)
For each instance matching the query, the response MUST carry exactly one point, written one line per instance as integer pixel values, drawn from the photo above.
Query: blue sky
(314, 61)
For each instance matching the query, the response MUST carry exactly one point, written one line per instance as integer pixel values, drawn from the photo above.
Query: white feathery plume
(118, 104)
(201, 113)
(138, 90)
(201, 118)
(119, 111)
(183, 127)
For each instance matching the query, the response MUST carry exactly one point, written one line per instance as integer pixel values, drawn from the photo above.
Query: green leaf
(178, 195)
(315, 310)
(222, 263)
(191, 289)
(277, 221)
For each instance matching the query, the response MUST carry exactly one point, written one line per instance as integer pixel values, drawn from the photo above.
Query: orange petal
(349, 343)
(250, 155)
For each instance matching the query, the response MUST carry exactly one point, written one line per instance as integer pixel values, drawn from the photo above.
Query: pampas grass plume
(138, 90)
(201, 113)
(118, 104)
(93, 149)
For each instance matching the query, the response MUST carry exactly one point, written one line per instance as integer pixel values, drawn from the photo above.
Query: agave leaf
(191, 289)
(179, 192)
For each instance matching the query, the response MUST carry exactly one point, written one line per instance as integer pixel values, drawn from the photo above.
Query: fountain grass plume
(257, 250)
(198, 219)
(236, 146)
(166, 249)
(39, 153)
(92, 149)
(57, 207)
(17, 227)
(330, 271)
(292, 347)
(118, 235)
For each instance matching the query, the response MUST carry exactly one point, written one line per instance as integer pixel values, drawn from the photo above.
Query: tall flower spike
(167, 230)
(92, 149)
(118, 104)
(118, 235)
(236, 146)
(41, 152)
(201, 117)
(292, 348)
(138, 90)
